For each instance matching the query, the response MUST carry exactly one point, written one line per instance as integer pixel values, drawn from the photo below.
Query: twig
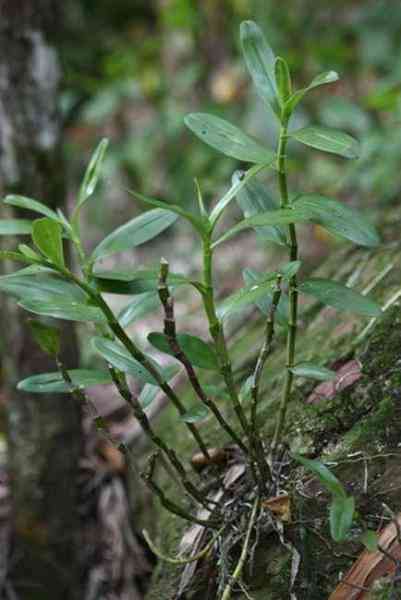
(171, 334)
(168, 504)
(139, 413)
(244, 552)
(181, 561)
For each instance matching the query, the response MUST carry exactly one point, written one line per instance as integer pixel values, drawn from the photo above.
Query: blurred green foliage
(133, 70)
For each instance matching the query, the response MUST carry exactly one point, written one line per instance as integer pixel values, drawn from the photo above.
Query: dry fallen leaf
(280, 507)
(369, 567)
(346, 375)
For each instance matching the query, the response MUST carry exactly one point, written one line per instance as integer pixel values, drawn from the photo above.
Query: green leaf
(251, 276)
(149, 391)
(328, 140)
(69, 310)
(37, 286)
(200, 224)
(49, 383)
(48, 338)
(237, 184)
(118, 356)
(228, 139)
(46, 235)
(260, 60)
(92, 173)
(311, 371)
(290, 269)
(370, 540)
(283, 79)
(199, 353)
(138, 307)
(195, 414)
(29, 253)
(134, 233)
(33, 205)
(135, 282)
(340, 297)
(15, 227)
(326, 477)
(341, 517)
(215, 392)
(322, 79)
(339, 219)
(247, 295)
(253, 199)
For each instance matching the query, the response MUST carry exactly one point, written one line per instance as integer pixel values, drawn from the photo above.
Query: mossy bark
(44, 432)
(358, 429)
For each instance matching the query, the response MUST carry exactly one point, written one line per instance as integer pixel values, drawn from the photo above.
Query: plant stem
(136, 353)
(170, 454)
(171, 334)
(166, 502)
(244, 552)
(181, 561)
(292, 290)
(217, 334)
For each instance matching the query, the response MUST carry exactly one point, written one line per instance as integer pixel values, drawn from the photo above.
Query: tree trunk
(44, 431)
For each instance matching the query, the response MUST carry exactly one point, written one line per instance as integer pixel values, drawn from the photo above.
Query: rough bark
(44, 431)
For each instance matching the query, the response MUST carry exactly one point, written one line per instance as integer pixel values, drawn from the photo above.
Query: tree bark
(44, 432)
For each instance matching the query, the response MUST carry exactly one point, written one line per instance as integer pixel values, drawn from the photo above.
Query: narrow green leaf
(15, 227)
(247, 295)
(326, 477)
(370, 540)
(50, 383)
(283, 79)
(46, 235)
(311, 371)
(250, 277)
(253, 199)
(30, 204)
(63, 309)
(118, 356)
(339, 219)
(48, 338)
(149, 391)
(199, 353)
(135, 282)
(237, 185)
(215, 391)
(341, 517)
(33, 285)
(200, 224)
(138, 307)
(29, 252)
(260, 60)
(290, 269)
(195, 414)
(92, 173)
(340, 297)
(322, 79)
(328, 140)
(18, 257)
(134, 233)
(228, 139)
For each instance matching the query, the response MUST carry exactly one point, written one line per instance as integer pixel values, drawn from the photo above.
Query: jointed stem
(139, 413)
(292, 292)
(137, 353)
(170, 331)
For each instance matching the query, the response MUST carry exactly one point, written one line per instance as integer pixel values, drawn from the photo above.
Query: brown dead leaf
(217, 456)
(346, 375)
(280, 507)
(369, 567)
